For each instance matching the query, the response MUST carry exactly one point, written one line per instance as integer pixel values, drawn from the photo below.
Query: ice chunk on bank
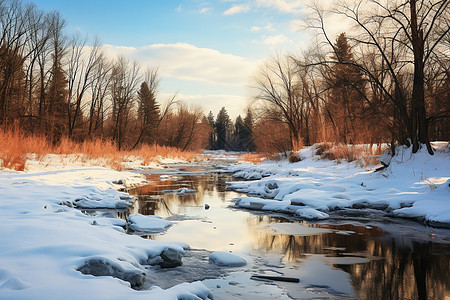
(311, 213)
(226, 259)
(148, 224)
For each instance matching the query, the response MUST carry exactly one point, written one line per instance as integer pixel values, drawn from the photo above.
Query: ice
(148, 224)
(226, 259)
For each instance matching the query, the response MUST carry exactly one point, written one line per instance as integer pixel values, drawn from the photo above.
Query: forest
(385, 82)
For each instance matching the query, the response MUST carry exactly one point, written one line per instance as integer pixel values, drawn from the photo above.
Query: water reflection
(403, 273)
(379, 267)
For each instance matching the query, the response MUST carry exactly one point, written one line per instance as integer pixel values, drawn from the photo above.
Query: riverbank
(412, 186)
(50, 249)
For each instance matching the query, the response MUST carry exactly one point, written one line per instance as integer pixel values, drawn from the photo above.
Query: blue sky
(206, 50)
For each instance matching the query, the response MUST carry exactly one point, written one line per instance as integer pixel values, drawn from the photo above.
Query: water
(341, 258)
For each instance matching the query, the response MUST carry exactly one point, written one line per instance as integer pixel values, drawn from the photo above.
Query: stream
(349, 256)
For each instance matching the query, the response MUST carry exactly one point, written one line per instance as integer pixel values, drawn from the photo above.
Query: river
(349, 256)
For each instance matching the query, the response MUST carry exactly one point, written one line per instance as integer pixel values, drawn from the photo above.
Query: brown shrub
(294, 157)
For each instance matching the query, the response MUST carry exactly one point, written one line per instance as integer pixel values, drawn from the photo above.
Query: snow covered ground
(49, 249)
(413, 186)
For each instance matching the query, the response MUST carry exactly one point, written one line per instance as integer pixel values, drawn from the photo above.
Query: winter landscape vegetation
(307, 158)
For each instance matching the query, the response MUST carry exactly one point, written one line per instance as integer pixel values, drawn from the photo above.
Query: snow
(412, 186)
(226, 259)
(51, 250)
(148, 224)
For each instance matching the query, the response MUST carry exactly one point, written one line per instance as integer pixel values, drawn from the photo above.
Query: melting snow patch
(226, 259)
(148, 224)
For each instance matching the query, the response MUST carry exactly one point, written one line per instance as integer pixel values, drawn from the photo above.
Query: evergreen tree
(248, 133)
(57, 104)
(57, 101)
(148, 114)
(223, 126)
(212, 136)
(346, 84)
(240, 135)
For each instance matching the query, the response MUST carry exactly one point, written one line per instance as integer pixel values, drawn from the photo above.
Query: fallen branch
(275, 278)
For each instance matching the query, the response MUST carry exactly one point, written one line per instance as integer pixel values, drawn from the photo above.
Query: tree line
(229, 135)
(386, 82)
(55, 85)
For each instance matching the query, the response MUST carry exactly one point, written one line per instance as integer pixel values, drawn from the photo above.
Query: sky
(206, 51)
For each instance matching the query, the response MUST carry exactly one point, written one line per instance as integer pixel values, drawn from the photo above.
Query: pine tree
(148, 114)
(223, 126)
(248, 135)
(346, 86)
(57, 101)
(240, 135)
(212, 136)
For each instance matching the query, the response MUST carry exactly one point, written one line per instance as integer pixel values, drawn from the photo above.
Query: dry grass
(15, 146)
(365, 154)
(252, 157)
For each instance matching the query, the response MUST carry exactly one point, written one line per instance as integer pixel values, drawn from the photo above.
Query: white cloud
(275, 39)
(207, 74)
(287, 6)
(269, 27)
(237, 9)
(204, 10)
(255, 29)
(184, 61)
(296, 25)
(179, 7)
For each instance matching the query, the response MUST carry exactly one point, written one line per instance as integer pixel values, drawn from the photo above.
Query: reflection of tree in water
(151, 200)
(418, 273)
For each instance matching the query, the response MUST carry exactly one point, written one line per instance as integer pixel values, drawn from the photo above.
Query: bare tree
(38, 37)
(81, 74)
(404, 35)
(99, 90)
(14, 28)
(124, 81)
(285, 96)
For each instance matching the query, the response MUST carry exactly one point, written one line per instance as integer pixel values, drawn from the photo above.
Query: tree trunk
(418, 114)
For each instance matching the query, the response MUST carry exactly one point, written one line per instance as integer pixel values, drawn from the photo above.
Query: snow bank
(413, 186)
(50, 250)
(226, 259)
